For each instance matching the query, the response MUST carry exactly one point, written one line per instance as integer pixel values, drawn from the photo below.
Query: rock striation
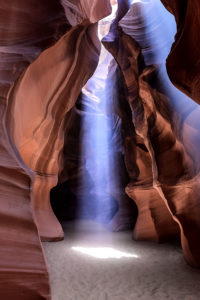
(92, 184)
(183, 60)
(165, 182)
(48, 52)
(23, 271)
(40, 79)
(53, 87)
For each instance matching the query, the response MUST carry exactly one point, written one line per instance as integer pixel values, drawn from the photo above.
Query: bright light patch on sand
(104, 252)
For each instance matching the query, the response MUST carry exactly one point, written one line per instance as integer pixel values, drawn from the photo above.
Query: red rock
(23, 270)
(52, 87)
(141, 188)
(47, 54)
(183, 60)
(31, 137)
(173, 178)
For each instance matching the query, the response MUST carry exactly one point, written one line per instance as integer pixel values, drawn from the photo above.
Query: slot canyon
(99, 153)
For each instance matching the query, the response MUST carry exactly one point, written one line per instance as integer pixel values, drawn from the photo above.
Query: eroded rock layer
(48, 52)
(168, 190)
(53, 86)
(32, 126)
(183, 61)
(23, 270)
(151, 207)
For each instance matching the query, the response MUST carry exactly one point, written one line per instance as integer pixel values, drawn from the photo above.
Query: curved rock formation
(183, 61)
(91, 11)
(39, 128)
(172, 176)
(49, 50)
(23, 270)
(94, 171)
(52, 87)
(158, 224)
(153, 27)
(33, 108)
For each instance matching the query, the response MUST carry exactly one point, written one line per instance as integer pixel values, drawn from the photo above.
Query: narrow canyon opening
(99, 129)
(94, 149)
(111, 169)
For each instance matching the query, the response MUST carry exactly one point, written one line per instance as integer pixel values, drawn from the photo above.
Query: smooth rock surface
(48, 51)
(23, 270)
(27, 29)
(173, 176)
(183, 61)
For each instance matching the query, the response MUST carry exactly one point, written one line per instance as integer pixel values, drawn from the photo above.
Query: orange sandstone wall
(42, 70)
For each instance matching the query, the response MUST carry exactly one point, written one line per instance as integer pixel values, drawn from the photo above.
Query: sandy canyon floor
(93, 263)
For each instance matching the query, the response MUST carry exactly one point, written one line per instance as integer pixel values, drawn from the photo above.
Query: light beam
(104, 252)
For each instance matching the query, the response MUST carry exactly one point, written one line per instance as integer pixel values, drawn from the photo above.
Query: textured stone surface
(183, 61)
(53, 86)
(94, 145)
(90, 11)
(23, 270)
(48, 51)
(33, 110)
(154, 221)
(77, 195)
(170, 187)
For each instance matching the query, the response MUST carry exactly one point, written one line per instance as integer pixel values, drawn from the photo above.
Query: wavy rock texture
(22, 267)
(34, 103)
(158, 224)
(23, 270)
(90, 11)
(23, 273)
(183, 61)
(153, 27)
(48, 52)
(165, 186)
(81, 193)
(53, 86)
